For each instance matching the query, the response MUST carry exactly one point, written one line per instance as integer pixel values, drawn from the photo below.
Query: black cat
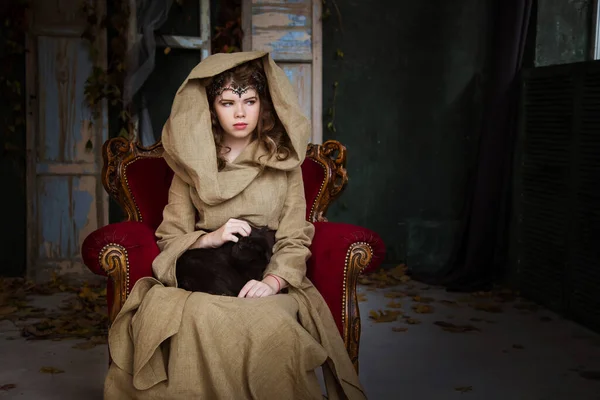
(225, 270)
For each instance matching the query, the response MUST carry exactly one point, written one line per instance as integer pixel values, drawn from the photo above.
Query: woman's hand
(224, 234)
(257, 289)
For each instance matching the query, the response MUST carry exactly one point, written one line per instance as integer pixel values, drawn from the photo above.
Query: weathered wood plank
(180, 42)
(247, 25)
(63, 67)
(67, 169)
(284, 45)
(317, 73)
(67, 214)
(31, 129)
(84, 208)
(66, 197)
(301, 77)
(57, 17)
(258, 2)
(54, 231)
(284, 29)
(294, 15)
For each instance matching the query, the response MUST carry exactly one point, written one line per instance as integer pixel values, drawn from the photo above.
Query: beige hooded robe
(167, 343)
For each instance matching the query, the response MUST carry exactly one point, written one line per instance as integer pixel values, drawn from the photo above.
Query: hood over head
(188, 141)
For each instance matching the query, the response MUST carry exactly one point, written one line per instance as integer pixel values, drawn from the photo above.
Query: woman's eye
(226, 104)
(251, 102)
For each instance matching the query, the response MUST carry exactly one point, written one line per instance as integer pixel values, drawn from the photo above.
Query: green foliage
(339, 55)
(106, 84)
(12, 51)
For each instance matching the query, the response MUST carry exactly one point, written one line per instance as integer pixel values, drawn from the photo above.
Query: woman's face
(238, 115)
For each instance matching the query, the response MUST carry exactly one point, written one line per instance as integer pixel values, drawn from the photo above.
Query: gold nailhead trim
(137, 209)
(315, 202)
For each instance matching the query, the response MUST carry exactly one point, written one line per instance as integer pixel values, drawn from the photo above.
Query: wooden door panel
(63, 65)
(291, 32)
(301, 77)
(67, 201)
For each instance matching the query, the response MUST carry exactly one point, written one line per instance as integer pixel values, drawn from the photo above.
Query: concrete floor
(516, 355)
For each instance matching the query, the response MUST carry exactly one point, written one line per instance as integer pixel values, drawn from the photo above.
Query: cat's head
(258, 246)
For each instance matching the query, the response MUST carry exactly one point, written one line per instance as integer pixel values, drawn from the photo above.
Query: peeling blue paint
(297, 20)
(54, 217)
(63, 63)
(289, 73)
(292, 43)
(81, 202)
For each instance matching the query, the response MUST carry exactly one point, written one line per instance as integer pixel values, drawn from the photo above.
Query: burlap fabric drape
(167, 343)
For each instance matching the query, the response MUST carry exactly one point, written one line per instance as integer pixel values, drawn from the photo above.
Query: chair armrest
(123, 251)
(340, 253)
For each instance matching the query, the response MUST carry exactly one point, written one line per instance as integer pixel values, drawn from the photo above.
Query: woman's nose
(239, 111)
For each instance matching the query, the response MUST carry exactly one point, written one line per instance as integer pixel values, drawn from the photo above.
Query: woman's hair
(269, 130)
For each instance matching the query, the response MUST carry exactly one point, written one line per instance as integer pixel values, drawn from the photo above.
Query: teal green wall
(408, 102)
(563, 32)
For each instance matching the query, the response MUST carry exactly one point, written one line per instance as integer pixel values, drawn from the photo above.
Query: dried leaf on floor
(51, 370)
(83, 315)
(423, 308)
(394, 295)
(411, 321)
(399, 329)
(384, 316)
(505, 295)
(361, 297)
(523, 306)
(385, 277)
(464, 299)
(394, 304)
(6, 310)
(487, 307)
(487, 321)
(464, 389)
(420, 299)
(449, 303)
(450, 327)
(88, 294)
(8, 387)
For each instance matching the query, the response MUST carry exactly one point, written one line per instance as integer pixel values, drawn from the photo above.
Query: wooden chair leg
(358, 257)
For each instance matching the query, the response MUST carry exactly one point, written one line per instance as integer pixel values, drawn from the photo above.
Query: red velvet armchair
(138, 178)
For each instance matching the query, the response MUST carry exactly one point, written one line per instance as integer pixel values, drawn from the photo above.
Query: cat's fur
(225, 270)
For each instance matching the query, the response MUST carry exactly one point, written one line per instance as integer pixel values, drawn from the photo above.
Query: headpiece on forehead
(218, 85)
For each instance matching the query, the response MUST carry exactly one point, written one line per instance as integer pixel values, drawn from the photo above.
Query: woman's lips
(240, 126)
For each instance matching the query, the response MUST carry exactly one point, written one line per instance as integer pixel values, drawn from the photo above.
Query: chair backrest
(138, 178)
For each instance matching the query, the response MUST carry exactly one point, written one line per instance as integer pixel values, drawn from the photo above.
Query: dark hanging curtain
(471, 266)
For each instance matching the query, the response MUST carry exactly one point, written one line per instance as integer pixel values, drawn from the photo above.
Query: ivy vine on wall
(108, 83)
(339, 55)
(12, 52)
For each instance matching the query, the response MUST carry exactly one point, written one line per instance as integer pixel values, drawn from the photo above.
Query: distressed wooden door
(291, 32)
(66, 197)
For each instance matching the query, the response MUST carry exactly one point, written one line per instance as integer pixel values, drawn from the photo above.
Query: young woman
(235, 139)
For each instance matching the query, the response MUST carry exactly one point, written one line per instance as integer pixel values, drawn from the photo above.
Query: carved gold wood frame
(118, 153)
